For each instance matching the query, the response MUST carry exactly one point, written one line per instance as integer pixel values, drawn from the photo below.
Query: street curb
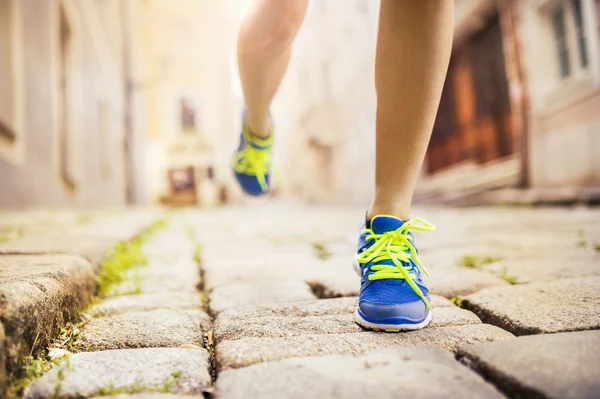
(38, 295)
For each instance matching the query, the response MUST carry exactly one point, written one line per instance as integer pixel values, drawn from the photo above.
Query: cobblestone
(563, 365)
(416, 372)
(549, 307)
(149, 395)
(38, 294)
(320, 307)
(142, 302)
(247, 351)
(3, 376)
(327, 320)
(181, 371)
(263, 293)
(148, 329)
(235, 295)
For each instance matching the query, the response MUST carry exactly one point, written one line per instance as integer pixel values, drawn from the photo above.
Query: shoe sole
(391, 328)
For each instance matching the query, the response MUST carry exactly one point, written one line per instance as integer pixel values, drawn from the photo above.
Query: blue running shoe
(392, 295)
(252, 162)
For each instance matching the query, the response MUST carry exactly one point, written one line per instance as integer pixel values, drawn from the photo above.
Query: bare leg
(264, 45)
(413, 50)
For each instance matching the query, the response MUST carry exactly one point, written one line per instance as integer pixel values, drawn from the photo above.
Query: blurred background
(114, 102)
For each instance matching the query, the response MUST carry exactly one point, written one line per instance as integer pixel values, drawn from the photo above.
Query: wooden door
(473, 121)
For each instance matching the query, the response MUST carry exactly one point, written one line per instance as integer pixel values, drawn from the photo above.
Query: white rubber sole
(386, 327)
(391, 327)
(357, 267)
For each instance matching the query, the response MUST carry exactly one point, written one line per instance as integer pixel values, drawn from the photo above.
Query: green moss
(172, 379)
(597, 247)
(476, 262)
(198, 254)
(321, 251)
(122, 257)
(581, 239)
(10, 233)
(468, 261)
(508, 278)
(29, 368)
(457, 300)
(140, 386)
(85, 218)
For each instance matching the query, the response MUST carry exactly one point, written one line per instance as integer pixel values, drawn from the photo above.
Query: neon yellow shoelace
(254, 161)
(397, 246)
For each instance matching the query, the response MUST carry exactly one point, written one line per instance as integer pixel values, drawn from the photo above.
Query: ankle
(261, 130)
(399, 210)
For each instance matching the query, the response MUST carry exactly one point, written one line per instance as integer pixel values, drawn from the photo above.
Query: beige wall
(30, 167)
(188, 53)
(325, 110)
(564, 113)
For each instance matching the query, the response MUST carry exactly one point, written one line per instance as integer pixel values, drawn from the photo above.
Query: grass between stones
(121, 258)
(10, 233)
(208, 337)
(140, 386)
(478, 262)
(321, 251)
(457, 300)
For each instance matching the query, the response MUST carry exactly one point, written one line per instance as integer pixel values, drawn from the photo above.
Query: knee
(274, 23)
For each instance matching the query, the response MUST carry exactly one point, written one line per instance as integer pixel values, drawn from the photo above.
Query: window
(568, 25)
(6, 70)
(10, 81)
(558, 25)
(581, 40)
(104, 138)
(65, 90)
(188, 115)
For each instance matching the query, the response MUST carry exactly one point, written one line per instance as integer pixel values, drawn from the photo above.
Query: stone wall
(38, 167)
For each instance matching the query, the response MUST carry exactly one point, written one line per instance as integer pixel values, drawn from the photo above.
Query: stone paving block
(153, 396)
(333, 285)
(3, 376)
(319, 307)
(452, 281)
(552, 261)
(163, 277)
(146, 329)
(563, 365)
(548, 307)
(413, 372)
(247, 351)
(288, 326)
(234, 295)
(89, 240)
(92, 248)
(183, 371)
(38, 294)
(142, 302)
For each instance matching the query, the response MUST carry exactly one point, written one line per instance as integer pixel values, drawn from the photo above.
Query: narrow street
(258, 301)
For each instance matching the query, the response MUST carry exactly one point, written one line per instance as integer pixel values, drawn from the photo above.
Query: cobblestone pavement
(257, 302)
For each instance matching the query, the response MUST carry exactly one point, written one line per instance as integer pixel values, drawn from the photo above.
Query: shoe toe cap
(411, 312)
(250, 184)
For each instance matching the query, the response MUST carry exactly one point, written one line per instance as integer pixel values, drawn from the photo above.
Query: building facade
(325, 110)
(519, 114)
(521, 105)
(69, 120)
(193, 110)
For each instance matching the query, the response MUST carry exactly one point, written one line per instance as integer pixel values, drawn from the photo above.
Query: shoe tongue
(383, 224)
